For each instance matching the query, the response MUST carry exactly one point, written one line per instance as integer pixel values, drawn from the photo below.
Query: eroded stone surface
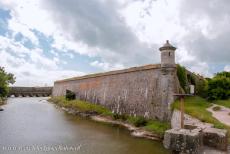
(183, 140)
(216, 138)
(145, 91)
(212, 137)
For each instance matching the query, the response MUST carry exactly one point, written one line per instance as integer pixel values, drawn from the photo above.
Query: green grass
(154, 126)
(79, 105)
(157, 126)
(196, 107)
(137, 121)
(225, 103)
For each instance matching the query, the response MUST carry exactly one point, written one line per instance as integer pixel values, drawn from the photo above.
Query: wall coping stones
(132, 69)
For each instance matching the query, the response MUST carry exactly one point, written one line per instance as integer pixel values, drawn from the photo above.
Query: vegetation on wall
(182, 77)
(5, 80)
(216, 88)
(186, 78)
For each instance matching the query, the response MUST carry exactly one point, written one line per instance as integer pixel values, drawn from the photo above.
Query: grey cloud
(211, 50)
(97, 23)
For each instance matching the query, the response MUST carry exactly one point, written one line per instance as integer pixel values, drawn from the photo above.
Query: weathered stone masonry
(145, 91)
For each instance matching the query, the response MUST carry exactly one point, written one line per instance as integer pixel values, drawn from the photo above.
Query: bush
(201, 87)
(117, 116)
(216, 108)
(138, 121)
(70, 95)
(219, 86)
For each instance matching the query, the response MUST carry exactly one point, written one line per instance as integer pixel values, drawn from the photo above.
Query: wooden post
(182, 111)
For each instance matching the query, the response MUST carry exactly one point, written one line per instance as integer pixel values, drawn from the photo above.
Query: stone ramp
(188, 121)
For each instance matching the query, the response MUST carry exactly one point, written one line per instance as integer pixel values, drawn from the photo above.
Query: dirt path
(221, 115)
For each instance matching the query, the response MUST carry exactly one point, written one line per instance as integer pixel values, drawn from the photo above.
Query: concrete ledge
(216, 138)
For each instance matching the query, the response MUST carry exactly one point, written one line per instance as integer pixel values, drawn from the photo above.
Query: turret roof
(167, 46)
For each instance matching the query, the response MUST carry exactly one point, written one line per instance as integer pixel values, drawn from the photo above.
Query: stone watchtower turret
(168, 79)
(167, 55)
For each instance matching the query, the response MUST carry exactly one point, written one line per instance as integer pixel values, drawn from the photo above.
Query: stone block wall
(145, 91)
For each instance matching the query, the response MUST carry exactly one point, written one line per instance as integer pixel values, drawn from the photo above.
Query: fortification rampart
(144, 91)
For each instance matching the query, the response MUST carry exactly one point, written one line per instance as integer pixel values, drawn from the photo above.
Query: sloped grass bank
(196, 107)
(225, 103)
(153, 126)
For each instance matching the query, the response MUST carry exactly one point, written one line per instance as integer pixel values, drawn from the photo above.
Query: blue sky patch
(4, 17)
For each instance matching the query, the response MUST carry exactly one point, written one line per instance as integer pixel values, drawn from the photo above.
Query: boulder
(183, 141)
(216, 138)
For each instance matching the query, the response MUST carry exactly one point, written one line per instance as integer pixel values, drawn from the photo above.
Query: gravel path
(222, 115)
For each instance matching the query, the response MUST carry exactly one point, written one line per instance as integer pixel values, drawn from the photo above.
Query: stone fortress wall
(144, 91)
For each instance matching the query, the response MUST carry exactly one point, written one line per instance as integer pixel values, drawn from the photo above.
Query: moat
(32, 125)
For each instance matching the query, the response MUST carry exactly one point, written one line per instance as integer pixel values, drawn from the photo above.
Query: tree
(219, 86)
(5, 80)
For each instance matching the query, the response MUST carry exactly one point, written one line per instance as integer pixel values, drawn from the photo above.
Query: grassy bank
(196, 107)
(225, 103)
(79, 105)
(150, 125)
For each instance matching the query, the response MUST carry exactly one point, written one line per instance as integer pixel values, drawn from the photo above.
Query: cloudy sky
(45, 40)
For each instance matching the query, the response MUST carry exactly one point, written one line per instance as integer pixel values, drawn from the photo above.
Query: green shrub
(117, 116)
(201, 87)
(219, 86)
(216, 108)
(70, 95)
(138, 121)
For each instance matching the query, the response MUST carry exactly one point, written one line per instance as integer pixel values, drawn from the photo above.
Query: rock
(216, 138)
(1, 109)
(183, 141)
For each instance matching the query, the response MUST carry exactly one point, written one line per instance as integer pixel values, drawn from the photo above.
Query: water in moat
(32, 125)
